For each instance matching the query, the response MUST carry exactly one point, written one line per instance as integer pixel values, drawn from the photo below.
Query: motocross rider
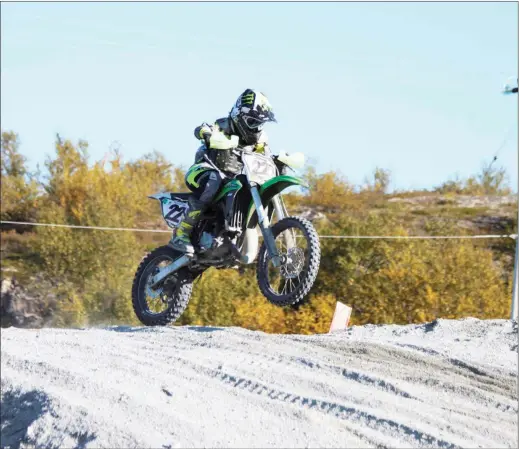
(246, 119)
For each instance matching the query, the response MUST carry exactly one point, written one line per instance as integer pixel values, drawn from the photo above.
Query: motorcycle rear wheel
(165, 304)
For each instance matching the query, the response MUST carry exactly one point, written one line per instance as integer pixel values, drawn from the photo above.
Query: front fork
(279, 207)
(264, 225)
(281, 212)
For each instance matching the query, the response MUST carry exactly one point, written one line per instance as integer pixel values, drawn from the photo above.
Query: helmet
(251, 111)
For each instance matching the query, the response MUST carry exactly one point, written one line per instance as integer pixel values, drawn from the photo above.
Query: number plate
(173, 211)
(261, 168)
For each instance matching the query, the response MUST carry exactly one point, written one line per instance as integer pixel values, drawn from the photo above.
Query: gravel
(449, 383)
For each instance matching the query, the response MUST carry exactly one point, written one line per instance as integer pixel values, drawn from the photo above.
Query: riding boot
(182, 240)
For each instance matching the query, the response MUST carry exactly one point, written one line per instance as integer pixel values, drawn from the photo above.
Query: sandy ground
(442, 384)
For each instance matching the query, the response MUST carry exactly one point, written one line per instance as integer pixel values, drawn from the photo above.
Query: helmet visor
(254, 123)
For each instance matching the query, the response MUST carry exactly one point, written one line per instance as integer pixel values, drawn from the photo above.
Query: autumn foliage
(384, 281)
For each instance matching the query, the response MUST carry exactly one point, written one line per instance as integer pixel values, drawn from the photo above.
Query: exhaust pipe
(171, 268)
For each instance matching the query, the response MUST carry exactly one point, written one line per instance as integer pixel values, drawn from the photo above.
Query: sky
(414, 88)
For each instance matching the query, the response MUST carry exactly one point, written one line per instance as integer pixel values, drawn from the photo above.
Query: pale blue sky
(412, 87)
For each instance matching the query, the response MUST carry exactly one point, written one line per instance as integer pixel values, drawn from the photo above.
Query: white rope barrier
(99, 228)
(421, 237)
(388, 237)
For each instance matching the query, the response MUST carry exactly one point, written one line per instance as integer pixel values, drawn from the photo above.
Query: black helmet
(251, 111)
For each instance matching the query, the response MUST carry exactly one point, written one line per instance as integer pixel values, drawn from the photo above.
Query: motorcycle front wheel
(298, 245)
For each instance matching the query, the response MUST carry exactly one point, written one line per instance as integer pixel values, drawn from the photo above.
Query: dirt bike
(227, 236)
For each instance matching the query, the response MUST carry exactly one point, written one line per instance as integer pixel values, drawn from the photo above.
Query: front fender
(268, 191)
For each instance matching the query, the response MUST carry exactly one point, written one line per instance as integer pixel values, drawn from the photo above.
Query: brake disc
(295, 263)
